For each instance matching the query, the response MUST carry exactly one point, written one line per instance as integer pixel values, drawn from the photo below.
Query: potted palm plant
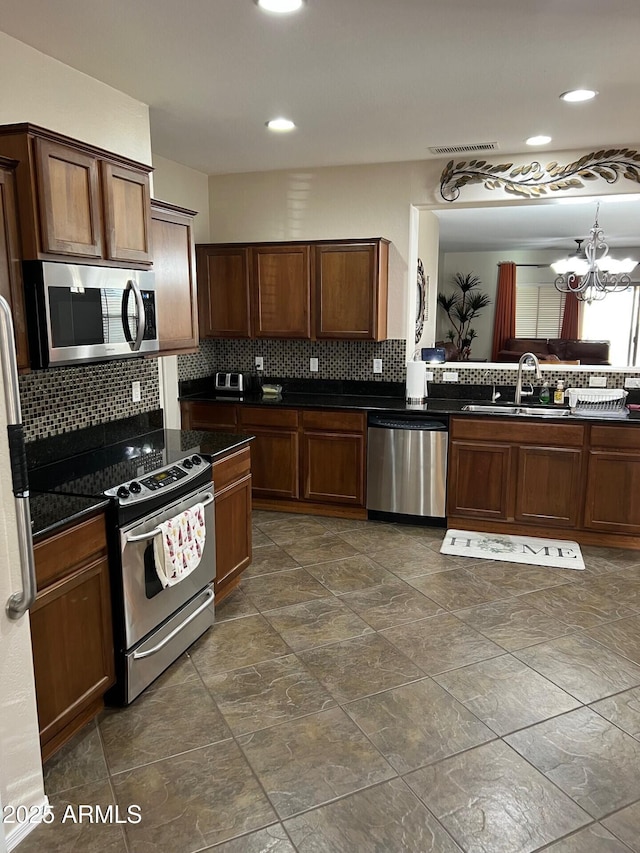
(462, 306)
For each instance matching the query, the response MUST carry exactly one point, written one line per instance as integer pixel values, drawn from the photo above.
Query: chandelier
(590, 273)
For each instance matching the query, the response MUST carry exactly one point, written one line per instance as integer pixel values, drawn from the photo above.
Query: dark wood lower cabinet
(612, 500)
(333, 467)
(232, 490)
(548, 485)
(71, 632)
(274, 463)
(478, 480)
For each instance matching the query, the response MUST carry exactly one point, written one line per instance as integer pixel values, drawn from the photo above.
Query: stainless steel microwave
(78, 314)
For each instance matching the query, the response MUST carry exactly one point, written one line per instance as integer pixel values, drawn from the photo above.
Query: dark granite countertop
(51, 512)
(68, 473)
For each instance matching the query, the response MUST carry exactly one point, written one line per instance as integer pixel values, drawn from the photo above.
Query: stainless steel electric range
(148, 480)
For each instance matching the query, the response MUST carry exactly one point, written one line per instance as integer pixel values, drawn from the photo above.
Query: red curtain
(504, 325)
(569, 330)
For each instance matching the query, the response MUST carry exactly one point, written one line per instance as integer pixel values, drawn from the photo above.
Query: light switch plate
(450, 376)
(135, 392)
(313, 365)
(259, 362)
(632, 382)
(377, 365)
(597, 382)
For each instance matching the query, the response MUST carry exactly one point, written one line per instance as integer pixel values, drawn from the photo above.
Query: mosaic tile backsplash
(350, 360)
(68, 398)
(336, 359)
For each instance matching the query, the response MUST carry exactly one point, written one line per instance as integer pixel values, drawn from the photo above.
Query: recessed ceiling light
(576, 95)
(282, 125)
(538, 140)
(280, 7)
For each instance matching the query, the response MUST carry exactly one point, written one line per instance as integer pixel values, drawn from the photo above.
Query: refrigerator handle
(19, 602)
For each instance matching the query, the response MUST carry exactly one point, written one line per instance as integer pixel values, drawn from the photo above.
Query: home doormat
(554, 553)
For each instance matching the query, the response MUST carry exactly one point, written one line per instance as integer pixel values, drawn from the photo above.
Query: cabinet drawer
(616, 437)
(212, 415)
(334, 421)
(523, 432)
(256, 416)
(61, 553)
(231, 469)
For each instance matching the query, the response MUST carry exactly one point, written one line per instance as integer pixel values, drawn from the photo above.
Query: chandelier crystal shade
(590, 273)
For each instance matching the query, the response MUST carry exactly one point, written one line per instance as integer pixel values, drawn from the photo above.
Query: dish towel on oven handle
(177, 550)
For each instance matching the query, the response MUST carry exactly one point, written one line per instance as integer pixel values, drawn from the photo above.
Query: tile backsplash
(290, 358)
(352, 360)
(67, 398)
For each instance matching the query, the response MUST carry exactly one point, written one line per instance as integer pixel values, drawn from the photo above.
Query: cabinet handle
(19, 602)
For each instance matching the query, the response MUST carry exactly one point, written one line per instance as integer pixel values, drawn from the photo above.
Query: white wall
(185, 187)
(41, 90)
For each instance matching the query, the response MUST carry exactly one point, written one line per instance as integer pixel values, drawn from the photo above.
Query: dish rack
(600, 402)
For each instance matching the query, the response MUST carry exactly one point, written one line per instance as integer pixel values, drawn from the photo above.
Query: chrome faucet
(531, 360)
(494, 394)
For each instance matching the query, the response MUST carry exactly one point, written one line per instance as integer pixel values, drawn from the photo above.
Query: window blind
(539, 310)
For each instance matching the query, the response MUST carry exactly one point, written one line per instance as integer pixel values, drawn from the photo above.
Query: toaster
(237, 383)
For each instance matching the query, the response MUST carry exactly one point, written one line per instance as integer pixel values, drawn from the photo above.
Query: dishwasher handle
(422, 424)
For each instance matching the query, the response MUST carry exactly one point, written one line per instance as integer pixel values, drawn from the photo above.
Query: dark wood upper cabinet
(315, 290)
(281, 298)
(10, 261)
(350, 283)
(127, 214)
(223, 291)
(175, 276)
(76, 201)
(70, 200)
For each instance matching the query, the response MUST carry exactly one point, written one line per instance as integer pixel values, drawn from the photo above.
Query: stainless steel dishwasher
(407, 465)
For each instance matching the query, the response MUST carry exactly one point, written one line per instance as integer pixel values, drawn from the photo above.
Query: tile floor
(360, 692)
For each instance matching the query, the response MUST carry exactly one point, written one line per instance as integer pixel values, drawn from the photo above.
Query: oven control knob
(135, 487)
(187, 463)
(123, 492)
(196, 460)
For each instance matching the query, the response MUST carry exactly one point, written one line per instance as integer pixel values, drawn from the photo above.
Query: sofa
(556, 350)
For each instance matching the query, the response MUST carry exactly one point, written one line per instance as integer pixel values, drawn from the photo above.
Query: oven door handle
(142, 537)
(176, 631)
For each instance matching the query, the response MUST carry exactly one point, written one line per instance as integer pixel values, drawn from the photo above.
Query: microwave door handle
(142, 318)
(143, 537)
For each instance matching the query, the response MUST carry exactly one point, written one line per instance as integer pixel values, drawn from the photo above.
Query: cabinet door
(233, 534)
(333, 467)
(612, 500)
(223, 291)
(127, 209)
(478, 480)
(72, 646)
(351, 296)
(281, 292)
(10, 266)
(548, 485)
(274, 462)
(221, 417)
(69, 200)
(174, 268)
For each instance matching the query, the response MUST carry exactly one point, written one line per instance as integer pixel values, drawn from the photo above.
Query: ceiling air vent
(475, 148)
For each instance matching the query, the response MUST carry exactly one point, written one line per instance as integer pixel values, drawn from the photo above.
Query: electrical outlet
(597, 382)
(632, 382)
(450, 376)
(429, 375)
(313, 365)
(135, 392)
(377, 365)
(259, 362)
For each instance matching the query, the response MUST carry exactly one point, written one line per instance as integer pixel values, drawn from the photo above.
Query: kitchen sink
(531, 411)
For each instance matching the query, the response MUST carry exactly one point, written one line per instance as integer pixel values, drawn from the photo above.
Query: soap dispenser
(545, 394)
(558, 394)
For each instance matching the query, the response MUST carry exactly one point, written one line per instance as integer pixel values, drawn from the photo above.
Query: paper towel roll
(416, 387)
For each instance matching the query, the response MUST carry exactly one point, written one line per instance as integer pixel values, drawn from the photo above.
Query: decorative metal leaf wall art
(533, 180)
